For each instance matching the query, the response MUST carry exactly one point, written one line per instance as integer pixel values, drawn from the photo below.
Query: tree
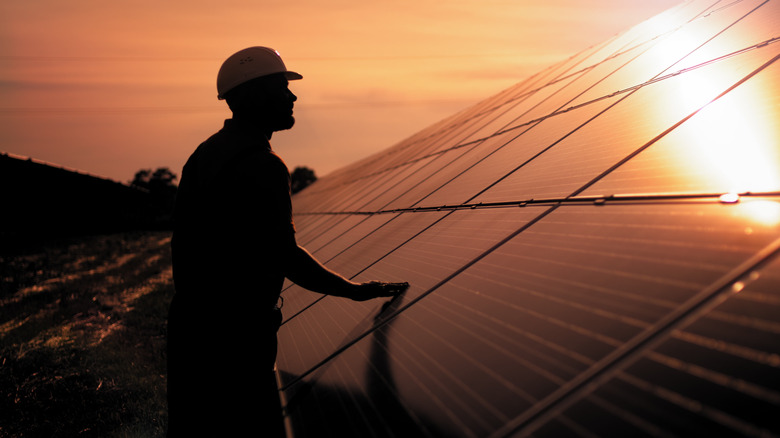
(161, 186)
(301, 178)
(161, 179)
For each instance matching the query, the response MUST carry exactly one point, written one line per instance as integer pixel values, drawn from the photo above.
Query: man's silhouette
(233, 245)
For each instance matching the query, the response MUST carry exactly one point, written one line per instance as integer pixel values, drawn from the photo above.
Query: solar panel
(592, 252)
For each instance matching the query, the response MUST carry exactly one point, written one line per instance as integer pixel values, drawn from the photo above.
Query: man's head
(254, 82)
(266, 101)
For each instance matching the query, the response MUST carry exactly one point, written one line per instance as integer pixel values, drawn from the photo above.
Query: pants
(221, 381)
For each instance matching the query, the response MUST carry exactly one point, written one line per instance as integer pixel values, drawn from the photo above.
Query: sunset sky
(109, 88)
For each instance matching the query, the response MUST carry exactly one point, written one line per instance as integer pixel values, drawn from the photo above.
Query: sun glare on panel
(762, 212)
(731, 142)
(660, 24)
(733, 139)
(669, 51)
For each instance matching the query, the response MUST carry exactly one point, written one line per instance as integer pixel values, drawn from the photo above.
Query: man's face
(279, 102)
(270, 102)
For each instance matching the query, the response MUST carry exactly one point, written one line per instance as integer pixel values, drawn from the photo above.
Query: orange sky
(112, 87)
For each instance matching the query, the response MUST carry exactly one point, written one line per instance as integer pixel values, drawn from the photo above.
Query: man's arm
(304, 270)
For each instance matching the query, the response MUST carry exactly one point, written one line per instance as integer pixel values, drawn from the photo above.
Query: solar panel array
(592, 252)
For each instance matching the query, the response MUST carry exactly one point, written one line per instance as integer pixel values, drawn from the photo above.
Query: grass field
(82, 337)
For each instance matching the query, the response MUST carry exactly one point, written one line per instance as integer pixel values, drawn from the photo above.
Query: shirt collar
(251, 132)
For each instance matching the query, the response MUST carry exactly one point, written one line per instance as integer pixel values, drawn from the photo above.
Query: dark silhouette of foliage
(301, 178)
(161, 179)
(161, 186)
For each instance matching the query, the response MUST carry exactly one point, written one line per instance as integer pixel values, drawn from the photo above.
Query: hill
(42, 201)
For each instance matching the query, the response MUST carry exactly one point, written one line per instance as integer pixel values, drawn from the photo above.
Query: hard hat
(250, 63)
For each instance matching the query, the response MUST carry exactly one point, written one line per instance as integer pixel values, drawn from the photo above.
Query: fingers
(396, 287)
(382, 289)
(391, 289)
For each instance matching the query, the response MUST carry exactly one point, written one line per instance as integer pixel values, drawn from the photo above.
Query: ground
(82, 337)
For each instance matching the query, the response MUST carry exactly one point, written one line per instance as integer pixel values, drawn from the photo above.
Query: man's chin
(284, 125)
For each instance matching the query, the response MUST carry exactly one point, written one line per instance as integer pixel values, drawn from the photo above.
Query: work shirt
(233, 221)
(232, 238)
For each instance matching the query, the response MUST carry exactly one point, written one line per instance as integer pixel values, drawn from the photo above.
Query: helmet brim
(292, 76)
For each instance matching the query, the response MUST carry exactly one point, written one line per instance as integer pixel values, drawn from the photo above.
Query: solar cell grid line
(681, 122)
(500, 96)
(377, 239)
(437, 269)
(410, 145)
(318, 225)
(335, 182)
(751, 167)
(605, 79)
(506, 98)
(597, 307)
(457, 144)
(646, 198)
(372, 238)
(423, 150)
(333, 227)
(725, 197)
(315, 193)
(540, 86)
(672, 53)
(498, 156)
(696, 309)
(728, 55)
(759, 25)
(533, 121)
(525, 280)
(618, 132)
(368, 189)
(531, 124)
(605, 64)
(296, 298)
(615, 47)
(665, 76)
(454, 161)
(466, 119)
(326, 186)
(619, 53)
(749, 8)
(330, 236)
(421, 173)
(396, 157)
(305, 300)
(554, 91)
(520, 113)
(456, 135)
(346, 195)
(335, 220)
(642, 214)
(557, 79)
(319, 336)
(507, 101)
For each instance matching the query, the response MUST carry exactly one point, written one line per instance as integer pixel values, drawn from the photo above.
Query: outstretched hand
(377, 289)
